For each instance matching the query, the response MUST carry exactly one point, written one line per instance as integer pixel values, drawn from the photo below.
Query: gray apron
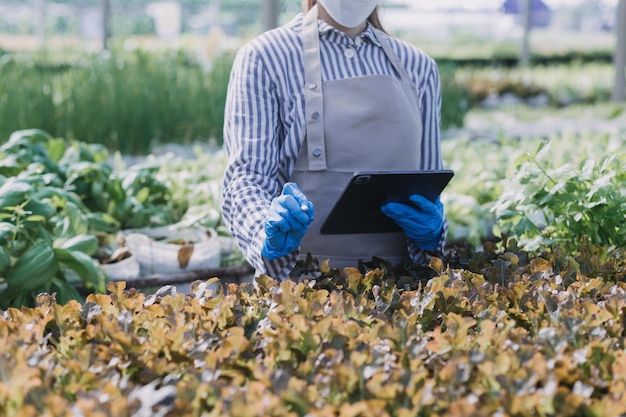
(363, 123)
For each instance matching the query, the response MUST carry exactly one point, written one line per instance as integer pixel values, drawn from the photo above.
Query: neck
(352, 32)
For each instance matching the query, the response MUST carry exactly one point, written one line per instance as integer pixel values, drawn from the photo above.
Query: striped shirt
(264, 123)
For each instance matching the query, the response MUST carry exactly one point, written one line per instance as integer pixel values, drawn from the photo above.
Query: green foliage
(131, 101)
(125, 101)
(481, 168)
(56, 196)
(64, 199)
(454, 99)
(548, 47)
(547, 203)
(194, 185)
(33, 233)
(26, 98)
(499, 182)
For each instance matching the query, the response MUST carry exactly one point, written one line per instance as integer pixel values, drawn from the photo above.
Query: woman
(310, 103)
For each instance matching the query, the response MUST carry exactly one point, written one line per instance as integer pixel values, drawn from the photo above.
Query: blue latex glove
(421, 221)
(287, 220)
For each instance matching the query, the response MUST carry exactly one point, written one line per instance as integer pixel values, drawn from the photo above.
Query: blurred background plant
(134, 75)
(126, 101)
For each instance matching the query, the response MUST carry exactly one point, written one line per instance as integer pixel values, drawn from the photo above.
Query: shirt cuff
(420, 256)
(280, 268)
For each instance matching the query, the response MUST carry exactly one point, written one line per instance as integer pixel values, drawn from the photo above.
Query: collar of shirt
(367, 34)
(325, 28)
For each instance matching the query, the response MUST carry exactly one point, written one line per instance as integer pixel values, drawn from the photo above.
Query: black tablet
(358, 208)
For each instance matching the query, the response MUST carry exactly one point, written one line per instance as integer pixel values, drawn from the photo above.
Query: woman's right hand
(287, 221)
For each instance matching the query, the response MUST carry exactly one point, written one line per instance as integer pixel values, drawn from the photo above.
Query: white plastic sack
(157, 255)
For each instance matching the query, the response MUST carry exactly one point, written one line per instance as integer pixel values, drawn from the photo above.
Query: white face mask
(349, 13)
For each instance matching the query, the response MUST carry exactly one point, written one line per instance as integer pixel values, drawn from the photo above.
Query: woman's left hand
(422, 221)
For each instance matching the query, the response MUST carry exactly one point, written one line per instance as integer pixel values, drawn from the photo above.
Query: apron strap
(313, 108)
(397, 65)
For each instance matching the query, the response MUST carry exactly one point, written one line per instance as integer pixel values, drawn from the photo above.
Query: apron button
(317, 153)
(315, 115)
(349, 53)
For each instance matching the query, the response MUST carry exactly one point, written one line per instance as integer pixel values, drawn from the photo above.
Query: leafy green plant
(148, 200)
(194, 184)
(545, 204)
(80, 172)
(43, 236)
(64, 198)
(57, 198)
(487, 173)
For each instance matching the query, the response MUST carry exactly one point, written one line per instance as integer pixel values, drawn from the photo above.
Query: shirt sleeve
(252, 178)
(430, 103)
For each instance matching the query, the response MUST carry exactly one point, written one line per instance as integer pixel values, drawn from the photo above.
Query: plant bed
(497, 332)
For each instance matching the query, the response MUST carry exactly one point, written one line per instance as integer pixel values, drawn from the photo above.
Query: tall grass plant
(128, 101)
(131, 101)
